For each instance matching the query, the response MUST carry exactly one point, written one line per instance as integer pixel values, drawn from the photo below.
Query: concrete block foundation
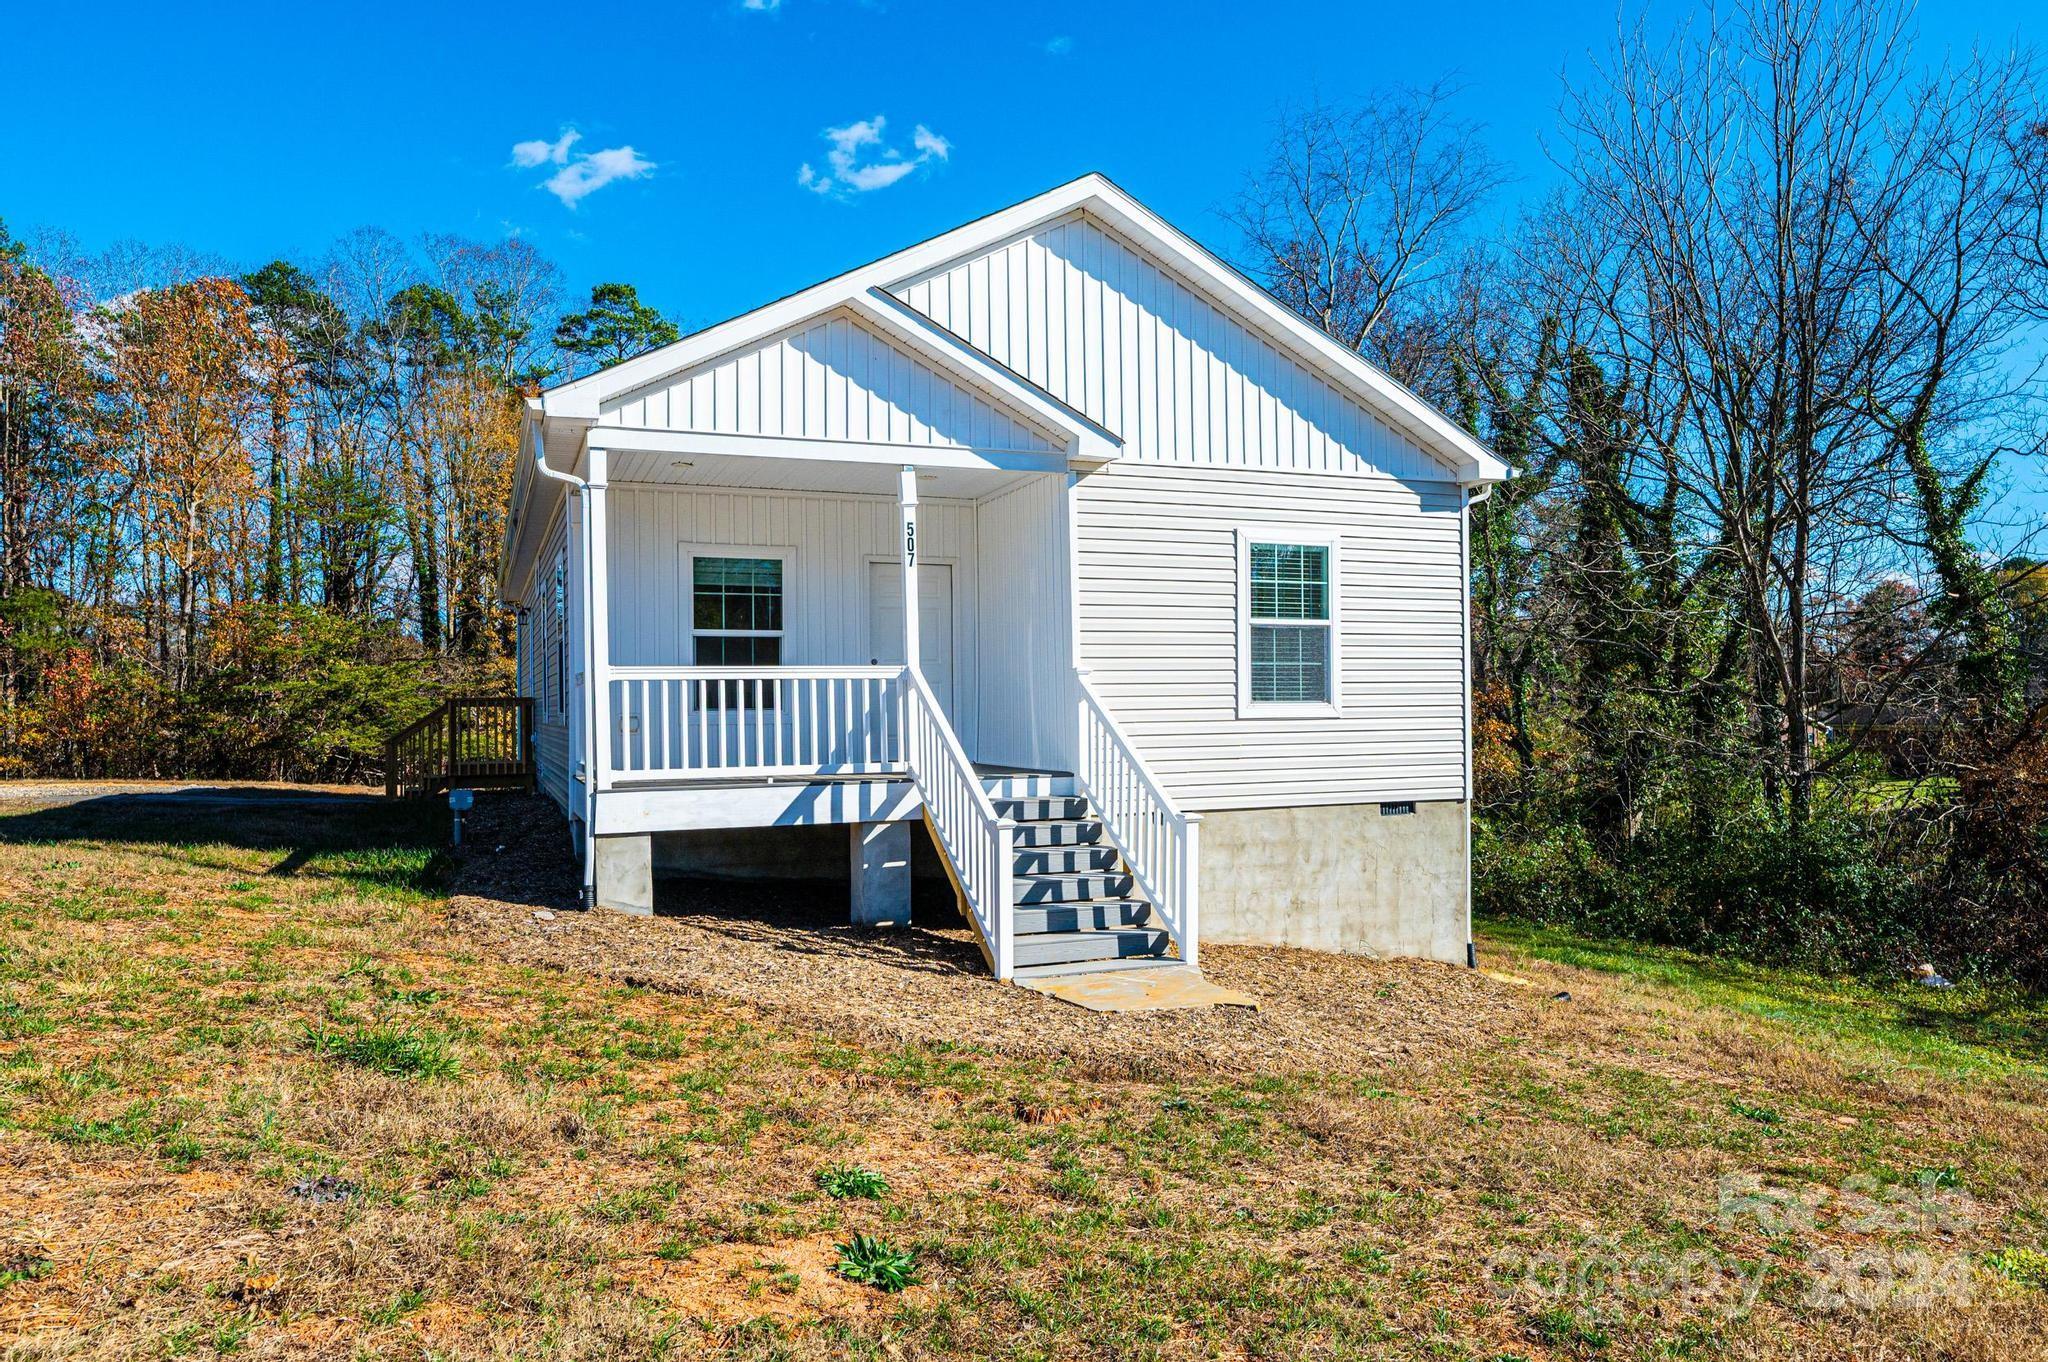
(879, 868)
(1338, 877)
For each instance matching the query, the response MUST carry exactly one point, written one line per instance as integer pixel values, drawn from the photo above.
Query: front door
(934, 622)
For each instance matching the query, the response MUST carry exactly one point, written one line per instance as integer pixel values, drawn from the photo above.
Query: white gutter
(579, 489)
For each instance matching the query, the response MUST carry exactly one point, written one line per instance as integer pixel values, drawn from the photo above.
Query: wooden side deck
(466, 742)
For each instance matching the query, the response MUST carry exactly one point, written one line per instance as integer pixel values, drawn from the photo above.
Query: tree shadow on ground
(362, 838)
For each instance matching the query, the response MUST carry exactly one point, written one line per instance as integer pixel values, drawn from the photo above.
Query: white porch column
(906, 497)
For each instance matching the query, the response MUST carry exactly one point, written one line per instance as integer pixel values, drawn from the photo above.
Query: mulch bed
(787, 950)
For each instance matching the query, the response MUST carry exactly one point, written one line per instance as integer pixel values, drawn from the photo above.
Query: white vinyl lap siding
(831, 379)
(1110, 330)
(550, 723)
(1157, 560)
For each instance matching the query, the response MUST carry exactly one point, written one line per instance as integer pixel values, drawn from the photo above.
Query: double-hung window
(1287, 611)
(736, 621)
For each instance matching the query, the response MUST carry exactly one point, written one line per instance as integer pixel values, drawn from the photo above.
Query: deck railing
(671, 723)
(976, 842)
(1157, 840)
(468, 740)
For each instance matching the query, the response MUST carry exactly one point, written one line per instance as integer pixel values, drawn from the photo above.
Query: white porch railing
(1157, 840)
(688, 722)
(976, 843)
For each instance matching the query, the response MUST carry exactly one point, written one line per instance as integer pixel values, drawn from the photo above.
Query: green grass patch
(844, 1181)
(1968, 1030)
(2026, 1266)
(401, 1051)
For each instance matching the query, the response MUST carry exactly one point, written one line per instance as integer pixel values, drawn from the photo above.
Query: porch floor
(985, 769)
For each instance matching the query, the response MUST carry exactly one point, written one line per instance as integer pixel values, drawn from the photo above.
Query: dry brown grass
(624, 1170)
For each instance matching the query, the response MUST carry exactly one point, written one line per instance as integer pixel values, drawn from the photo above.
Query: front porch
(760, 613)
(787, 634)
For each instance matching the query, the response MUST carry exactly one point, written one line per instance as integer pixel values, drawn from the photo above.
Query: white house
(1053, 532)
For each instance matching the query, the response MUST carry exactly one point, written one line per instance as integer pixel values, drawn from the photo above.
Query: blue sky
(251, 131)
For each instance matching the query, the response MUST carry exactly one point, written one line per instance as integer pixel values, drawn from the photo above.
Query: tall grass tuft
(845, 1180)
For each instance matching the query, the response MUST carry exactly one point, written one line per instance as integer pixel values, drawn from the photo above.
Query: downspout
(578, 489)
(1471, 801)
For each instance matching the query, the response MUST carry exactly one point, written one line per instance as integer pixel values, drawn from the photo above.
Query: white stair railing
(977, 844)
(1157, 840)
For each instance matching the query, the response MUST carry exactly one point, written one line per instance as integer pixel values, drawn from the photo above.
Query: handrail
(885, 671)
(1158, 841)
(977, 843)
(437, 715)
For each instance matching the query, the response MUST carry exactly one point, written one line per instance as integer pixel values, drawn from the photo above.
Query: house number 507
(910, 542)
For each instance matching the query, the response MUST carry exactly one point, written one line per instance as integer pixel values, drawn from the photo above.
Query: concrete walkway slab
(1140, 990)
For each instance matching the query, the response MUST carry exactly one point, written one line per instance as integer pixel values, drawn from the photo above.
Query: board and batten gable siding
(831, 539)
(1156, 554)
(1112, 331)
(830, 379)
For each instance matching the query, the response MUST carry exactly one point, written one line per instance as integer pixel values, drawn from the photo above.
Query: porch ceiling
(806, 475)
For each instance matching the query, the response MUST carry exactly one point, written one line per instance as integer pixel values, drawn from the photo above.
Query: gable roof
(867, 291)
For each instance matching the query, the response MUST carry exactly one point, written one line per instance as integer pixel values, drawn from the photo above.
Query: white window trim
(1315, 537)
(686, 579)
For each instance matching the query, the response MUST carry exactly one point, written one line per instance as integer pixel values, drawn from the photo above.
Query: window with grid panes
(736, 621)
(1290, 623)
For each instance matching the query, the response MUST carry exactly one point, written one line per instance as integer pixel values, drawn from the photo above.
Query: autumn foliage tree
(251, 523)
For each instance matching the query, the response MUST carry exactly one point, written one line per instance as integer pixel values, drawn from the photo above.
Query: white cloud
(579, 174)
(527, 155)
(862, 160)
(761, 6)
(1059, 47)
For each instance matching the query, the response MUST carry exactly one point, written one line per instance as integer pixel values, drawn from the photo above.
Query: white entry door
(934, 622)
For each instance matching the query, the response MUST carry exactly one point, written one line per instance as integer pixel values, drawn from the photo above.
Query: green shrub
(1733, 880)
(877, 1263)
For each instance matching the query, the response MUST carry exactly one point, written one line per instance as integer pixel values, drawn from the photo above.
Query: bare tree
(1796, 209)
(1360, 209)
(1948, 238)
